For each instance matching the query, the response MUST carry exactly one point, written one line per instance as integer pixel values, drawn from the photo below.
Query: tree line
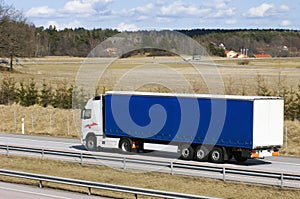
(21, 38)
(26, 93)
(67, 96)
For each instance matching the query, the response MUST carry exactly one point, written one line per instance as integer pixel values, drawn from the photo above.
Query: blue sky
(161, 14)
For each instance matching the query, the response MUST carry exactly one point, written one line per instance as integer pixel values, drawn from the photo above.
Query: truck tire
(91, 143)
(238, 157)
(125, 145)
(186, 152)
(201, 153)
(217, 155)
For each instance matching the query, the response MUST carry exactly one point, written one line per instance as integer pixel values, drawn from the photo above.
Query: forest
(20, 38)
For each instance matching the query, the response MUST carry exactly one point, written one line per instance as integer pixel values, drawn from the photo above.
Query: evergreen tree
(63, 96)
(21, 94)
(46, 95)
(27, 93)
(31, 96)
(8, 91)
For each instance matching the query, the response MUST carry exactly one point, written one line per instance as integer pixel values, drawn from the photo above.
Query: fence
(284, 179)
(40, 121)
(97, 185)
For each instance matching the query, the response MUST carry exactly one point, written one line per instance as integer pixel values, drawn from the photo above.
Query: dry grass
(292, 146)
(290, 62)
(152, 180)
(64, 123)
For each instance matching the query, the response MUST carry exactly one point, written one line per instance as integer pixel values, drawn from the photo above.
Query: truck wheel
(125, 145)
(186, 152)
(238, 157)
(216, 155)
(201, 153)
(91, 143)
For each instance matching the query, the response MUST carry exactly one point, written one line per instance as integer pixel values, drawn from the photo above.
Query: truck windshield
(86, 114)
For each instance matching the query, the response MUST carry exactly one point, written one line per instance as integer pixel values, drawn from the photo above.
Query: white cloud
(259, 11)
(98, 5)
(179, 8)
(127, 27)
(136, 12)
(214, 9)
(82, 8)
(43, 11)
(223, 13)
(163, 20)
(78, 7)
(265, 10)
(218, 4)
(284, 8)
(145, 9)
(285, 23)
(231, 21)
(61, 26)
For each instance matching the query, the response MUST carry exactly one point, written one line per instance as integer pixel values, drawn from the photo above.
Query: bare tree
(16, 35)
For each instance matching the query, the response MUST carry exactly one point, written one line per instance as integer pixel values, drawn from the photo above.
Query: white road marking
(33, 193)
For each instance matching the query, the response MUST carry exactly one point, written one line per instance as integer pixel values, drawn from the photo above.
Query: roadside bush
(8, 93)
(27, 94)
(243, 62)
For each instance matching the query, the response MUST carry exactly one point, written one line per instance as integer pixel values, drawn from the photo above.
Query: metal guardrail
(281, 177)
(97, 185)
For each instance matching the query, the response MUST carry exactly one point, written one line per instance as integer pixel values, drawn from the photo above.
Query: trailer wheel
(201, 153)
(216, 155)
(238, 157)
(91, 143)
(186, 152)
(125, 145)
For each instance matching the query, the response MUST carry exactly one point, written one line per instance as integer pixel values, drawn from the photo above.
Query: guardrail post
(135, 196)
(81, 158)
(40, 184)
(172, 166)
(281, 180)
(124, 163)
(224, 174)
(7, 150)
(89, 191)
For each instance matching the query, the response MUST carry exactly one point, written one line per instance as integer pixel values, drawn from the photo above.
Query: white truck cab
(92, 126)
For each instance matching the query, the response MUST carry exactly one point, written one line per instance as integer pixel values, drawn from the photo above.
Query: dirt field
(238, 79)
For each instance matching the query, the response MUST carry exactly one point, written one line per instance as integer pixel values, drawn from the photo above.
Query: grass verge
(151, 180)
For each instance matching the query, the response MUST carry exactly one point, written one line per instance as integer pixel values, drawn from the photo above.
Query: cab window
(86, 114)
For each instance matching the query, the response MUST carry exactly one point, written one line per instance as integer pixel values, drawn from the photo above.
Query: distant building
(231, 54)
(262, 55)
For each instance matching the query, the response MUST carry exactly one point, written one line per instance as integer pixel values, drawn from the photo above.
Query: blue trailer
(201, 127)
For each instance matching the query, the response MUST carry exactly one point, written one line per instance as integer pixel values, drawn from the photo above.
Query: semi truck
(199, 127)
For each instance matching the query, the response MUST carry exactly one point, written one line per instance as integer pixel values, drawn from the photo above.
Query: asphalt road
(17, 191)
(279, 164)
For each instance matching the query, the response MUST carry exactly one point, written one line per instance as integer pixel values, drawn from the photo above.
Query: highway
(17, 191)
(272, 164)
